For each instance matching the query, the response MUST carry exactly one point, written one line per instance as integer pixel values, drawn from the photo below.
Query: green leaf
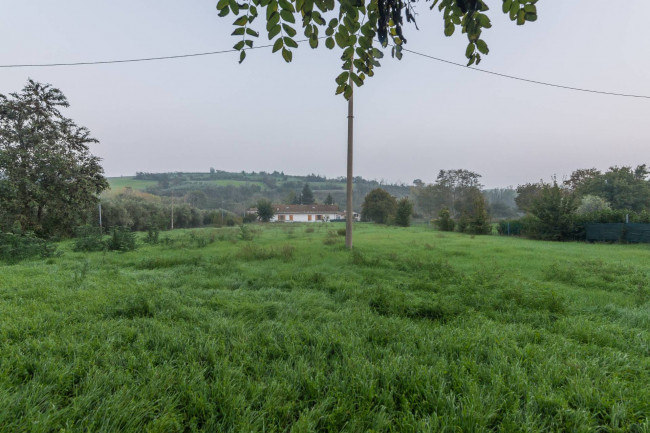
(470, 50)
(377, 53)
(274, 31)
(449, 29)
(341, 40)
(531, 17)
(287, 16)
(234, 6)
(273, 20)
(241, 21)
(238, 31)
(329, 31)
(356, 80)
(239, 45)
(506, 6)
(329, 43)
(342, 78)
(285, 5)
(277, 45)
(222, 4)
(289, 30)
(530, 8)
(288, 42)
(347, 93)
(242, 56)
(521, 17)
(286, 54)
(252, 32)
(313, 42)
(482, 46)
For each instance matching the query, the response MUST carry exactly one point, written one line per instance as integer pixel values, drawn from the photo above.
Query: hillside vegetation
(414, 331)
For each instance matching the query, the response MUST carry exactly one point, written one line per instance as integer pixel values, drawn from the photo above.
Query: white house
(306, 213)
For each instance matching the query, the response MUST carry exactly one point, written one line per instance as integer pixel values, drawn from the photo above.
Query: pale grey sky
(415, 117)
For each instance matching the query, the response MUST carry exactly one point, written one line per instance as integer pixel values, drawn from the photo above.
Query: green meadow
(279, 328)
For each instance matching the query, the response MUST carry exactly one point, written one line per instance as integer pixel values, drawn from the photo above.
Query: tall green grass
(415, 330)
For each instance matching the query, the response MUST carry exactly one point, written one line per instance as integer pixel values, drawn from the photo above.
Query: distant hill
(236, 191)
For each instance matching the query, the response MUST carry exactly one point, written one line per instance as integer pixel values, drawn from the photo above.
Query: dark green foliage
(621, 187)
(246, 233)
(444, 221)
(265, 210)
(306, 196)
(122, 239)
(153, 235)
(329, 199)
(341, 232)
(378, 206)
(49, 181)
(511, 227)
(403, 212)
(89, 238)
(479, 220)
(362, 26)
(553, 212)
(250, 218)
(15, 247)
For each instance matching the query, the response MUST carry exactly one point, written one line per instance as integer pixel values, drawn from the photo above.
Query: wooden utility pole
(349, 212)
(172, 210)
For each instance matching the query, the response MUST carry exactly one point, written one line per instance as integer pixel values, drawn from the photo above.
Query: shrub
(510, 227)
(249, 218)
(245, 233)
(332, 238)
(89, 238)
(152, 235)
(15, 247)
(444, 221)
(122, 239)
(403, 212)
(340, 232)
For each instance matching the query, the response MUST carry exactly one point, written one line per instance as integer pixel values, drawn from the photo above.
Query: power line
(210, 53)
(145, 59)
(512, 77)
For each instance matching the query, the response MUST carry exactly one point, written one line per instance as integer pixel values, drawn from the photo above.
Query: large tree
(378, 206)
(49, 180)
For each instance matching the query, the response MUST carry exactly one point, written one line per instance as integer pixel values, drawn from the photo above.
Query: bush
(122, 239)
(249, 218)
(510, 227)
(152, 236)
(341, 232)
(15, 247)
(444, 221)
(403, 212)
(245, 233)
(89, 238)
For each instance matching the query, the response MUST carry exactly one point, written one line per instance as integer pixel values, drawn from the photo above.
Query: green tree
(403, 212)
(378, 206)
(49, 180)
(622, 187)
(479, 219)
(306, 196)
(553, 209)
(445, 221)
(265, 210)
(329, 200)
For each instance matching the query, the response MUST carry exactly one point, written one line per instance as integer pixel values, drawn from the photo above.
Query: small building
(306, 213)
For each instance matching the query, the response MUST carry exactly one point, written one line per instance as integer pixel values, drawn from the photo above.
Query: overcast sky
(415, 117)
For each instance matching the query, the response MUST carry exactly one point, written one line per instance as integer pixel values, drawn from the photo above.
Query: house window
(319, 217)
(308, 217)
(290, 217)
(281, 217)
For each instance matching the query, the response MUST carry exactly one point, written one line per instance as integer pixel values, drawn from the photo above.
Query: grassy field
(415, 331)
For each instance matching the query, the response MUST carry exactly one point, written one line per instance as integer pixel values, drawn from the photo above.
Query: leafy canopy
(49, 180)
(359, 27)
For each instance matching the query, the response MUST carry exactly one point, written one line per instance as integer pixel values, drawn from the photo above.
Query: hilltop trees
(49, 180)
(307, 196)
